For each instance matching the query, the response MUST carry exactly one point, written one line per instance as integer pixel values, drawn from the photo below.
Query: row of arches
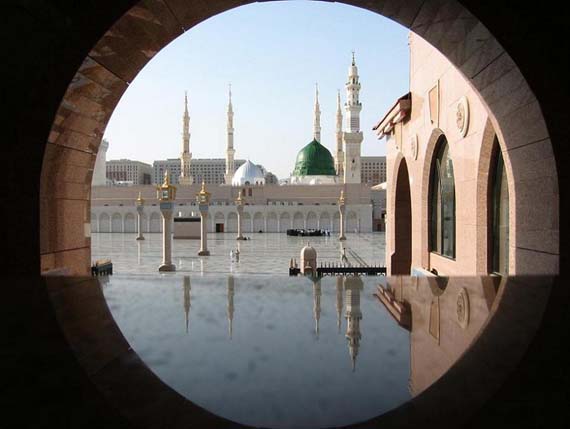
(251, 222)
(440, 223)
(126, 223)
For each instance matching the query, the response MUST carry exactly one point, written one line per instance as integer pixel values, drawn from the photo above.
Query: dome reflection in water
(278, 352)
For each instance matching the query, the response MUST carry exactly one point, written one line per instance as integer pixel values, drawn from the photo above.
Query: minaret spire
(339, 155)
(352, 136)
(230, 152)
(317, 121)
(186, 156)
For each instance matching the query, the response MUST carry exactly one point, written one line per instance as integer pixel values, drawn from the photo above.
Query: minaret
(317, 304)
(230, 308)
(317, 122)
(339, 156)
(187, 288)
(100, 170)
(353, 315)
(230, 152)
(186, 156)
(352, 136)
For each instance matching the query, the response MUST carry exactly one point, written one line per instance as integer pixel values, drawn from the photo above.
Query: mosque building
(309, 200)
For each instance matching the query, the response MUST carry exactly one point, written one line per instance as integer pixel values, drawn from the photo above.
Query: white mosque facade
(308, 201)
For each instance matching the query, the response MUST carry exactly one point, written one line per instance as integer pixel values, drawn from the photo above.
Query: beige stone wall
(271, 208)
(261, 195)
(430, 69)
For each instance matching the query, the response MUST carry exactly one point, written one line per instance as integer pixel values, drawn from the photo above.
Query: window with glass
(500, 215)
(442, 202)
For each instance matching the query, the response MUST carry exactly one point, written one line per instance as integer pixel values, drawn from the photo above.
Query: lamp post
(140, 209)
(203, 199)
(239, 207)
(342, 209)
(166, 194)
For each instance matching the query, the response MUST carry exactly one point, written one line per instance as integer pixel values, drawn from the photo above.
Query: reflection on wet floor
(272, 351)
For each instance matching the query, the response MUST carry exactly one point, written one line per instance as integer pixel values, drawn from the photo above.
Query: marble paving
(262, 254)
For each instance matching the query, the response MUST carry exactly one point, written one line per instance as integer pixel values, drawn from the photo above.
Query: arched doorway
(401, 259)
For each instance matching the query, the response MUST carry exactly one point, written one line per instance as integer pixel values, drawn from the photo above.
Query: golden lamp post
(166, 194)
(203, 199)
(140, 208)
(239, 206)
(342, 209)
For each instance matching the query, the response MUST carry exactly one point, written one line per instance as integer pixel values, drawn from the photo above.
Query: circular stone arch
(124, 49)
(140, 31)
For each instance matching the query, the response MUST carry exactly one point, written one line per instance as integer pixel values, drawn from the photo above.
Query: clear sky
(272, 53)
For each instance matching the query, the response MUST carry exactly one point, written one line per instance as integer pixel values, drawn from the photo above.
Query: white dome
(248, 174)
(308, 252)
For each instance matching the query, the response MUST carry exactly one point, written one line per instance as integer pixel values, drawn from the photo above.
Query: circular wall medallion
(463, 308)
(414, 146)
(462, 116)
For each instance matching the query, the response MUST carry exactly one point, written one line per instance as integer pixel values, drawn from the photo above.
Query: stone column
(166, 211)
(239, 207)
(239, 229)
(203, 199)
(140, 209)
(166, 194)
(342, 209)
(204, 230)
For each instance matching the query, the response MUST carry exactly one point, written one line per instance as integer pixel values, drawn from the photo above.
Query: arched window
(499, 215)
(442, 202)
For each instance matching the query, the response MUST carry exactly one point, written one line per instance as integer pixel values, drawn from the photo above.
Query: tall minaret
(317, 122)
(353, 286)
(352, 135)
(339, 156)
(100, 170)
(230, 152)
(186, 157)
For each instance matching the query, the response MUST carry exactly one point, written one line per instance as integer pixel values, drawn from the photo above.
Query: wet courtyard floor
(268, 253)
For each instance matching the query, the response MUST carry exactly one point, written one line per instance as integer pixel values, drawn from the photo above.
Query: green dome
(314, 160)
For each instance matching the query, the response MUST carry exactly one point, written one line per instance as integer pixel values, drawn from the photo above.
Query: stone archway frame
(484, 177)
(140, 33)
(428, 155)
(391, 210)
(113, 63)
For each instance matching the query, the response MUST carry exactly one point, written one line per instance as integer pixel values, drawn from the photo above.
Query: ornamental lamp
(203, 197)
(341, 200)
(140, 201)
(166, 192)
(240, 200)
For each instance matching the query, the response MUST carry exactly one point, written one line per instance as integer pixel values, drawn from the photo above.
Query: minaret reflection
(353, 315)
(187, 288)
(230, 305)
(317, 303)
(138, 252)
(339, 288)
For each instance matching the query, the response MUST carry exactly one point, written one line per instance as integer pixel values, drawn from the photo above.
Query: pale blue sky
(272, 53)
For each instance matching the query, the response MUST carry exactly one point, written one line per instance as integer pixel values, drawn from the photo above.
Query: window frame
(497, 166)
(437, 202)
